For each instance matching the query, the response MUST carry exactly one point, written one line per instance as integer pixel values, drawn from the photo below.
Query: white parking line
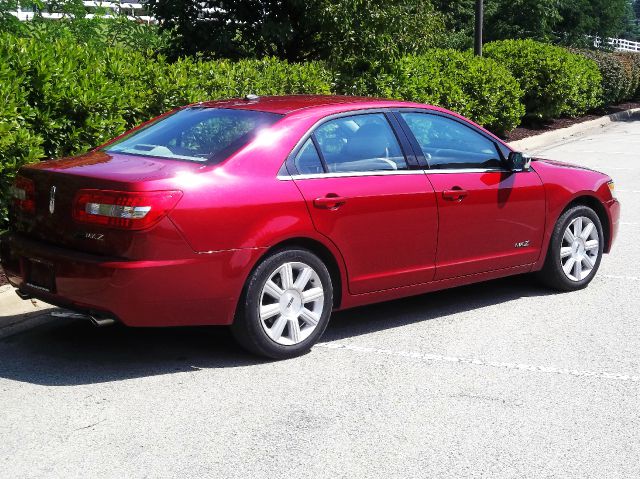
(480, 362)
(627, 191)
(615, 276)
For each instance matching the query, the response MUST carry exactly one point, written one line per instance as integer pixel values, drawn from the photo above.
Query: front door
(489, 218)
(362, 195)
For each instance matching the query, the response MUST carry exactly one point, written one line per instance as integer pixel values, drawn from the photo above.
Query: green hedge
(631, 63)
(478, 88)
(620, 74)
(614, 76)
(60, 99)
(555, 81)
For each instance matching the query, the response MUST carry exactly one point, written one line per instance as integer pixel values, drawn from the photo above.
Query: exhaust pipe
(100, 322)
(96, 321)
(23, 295)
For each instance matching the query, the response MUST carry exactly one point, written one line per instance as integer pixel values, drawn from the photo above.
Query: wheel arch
(328, 257)
(596, 205)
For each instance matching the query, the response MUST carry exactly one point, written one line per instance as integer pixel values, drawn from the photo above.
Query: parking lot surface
(500, 379)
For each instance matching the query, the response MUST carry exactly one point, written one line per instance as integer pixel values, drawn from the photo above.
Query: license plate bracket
(39, 274)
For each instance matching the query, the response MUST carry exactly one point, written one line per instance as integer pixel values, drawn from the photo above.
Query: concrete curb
(556, 136)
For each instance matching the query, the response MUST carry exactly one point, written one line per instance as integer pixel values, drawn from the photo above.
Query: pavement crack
(90, 425)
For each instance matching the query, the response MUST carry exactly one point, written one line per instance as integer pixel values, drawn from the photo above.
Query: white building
(133, 11)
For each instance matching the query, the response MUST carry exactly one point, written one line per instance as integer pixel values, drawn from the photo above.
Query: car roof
(291, 103)
(321, 105)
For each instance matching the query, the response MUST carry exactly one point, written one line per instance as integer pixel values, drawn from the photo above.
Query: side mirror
(518, 161)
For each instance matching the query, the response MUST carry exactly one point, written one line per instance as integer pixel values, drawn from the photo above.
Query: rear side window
(448, 144)
(308, 161)
(360, 143)
(196, 134)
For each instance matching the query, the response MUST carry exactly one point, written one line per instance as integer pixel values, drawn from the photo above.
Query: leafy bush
(95, 32)
(555, 81)
(478, 88)
(60, 98)
(18, 144)
(631, 64)
(615, 83)
(190, 80)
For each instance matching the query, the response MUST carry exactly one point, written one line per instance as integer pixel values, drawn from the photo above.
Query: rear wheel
(285, 306)
(575, 250)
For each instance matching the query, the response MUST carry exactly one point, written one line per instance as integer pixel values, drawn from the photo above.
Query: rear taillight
(123, 209)
(23, 193)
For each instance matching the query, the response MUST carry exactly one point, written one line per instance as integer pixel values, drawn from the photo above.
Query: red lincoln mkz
(268, 213)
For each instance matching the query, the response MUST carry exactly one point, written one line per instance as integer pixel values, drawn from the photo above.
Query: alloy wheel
(291, 303)
(580, 248)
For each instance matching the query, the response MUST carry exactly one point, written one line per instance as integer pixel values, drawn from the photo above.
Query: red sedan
(267, 214)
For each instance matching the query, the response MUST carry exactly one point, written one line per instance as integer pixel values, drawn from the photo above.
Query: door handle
(455, 194)
(330, 202)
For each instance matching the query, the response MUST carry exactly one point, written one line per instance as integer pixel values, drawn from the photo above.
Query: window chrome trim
(385, 111)
(466, 170)
(500, 145)
(348, 174)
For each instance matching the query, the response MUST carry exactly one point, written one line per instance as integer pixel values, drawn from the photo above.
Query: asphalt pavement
(500, 379)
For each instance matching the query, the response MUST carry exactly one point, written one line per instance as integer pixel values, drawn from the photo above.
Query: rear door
(364, 195)
(490, 218)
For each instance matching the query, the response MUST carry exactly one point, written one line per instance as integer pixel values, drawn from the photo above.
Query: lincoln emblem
(52, 199)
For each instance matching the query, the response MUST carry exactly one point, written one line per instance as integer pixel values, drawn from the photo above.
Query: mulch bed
(532, 129)
(3, 278)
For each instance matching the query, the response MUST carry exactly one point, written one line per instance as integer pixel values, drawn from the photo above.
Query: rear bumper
(202, 289)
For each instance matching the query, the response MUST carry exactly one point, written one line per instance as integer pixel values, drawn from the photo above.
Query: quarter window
(360, 143)
(448, 144)
(308, 161)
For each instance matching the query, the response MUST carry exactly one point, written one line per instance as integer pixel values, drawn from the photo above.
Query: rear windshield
(196, 134)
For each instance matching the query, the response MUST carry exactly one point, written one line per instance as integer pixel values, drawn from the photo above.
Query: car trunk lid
(56, 184)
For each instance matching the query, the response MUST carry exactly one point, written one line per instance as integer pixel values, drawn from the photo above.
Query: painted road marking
(615, 276)
(429, 357)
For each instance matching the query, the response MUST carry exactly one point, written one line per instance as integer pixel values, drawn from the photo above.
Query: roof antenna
(251, 97)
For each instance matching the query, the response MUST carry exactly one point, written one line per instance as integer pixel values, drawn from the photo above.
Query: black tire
(248, 329)
(552, 274)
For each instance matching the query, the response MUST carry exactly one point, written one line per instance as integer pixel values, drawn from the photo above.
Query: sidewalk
(554, 137)
(17, 315)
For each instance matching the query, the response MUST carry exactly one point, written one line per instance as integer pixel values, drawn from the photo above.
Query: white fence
(619, 44)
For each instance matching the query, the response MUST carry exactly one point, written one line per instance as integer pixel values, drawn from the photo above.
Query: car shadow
(64, 352)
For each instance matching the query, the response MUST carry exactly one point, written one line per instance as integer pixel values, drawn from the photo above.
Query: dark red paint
(384, 237)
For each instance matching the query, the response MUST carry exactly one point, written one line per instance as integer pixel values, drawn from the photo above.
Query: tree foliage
(298, 30)
(566, 21)
(603, 18)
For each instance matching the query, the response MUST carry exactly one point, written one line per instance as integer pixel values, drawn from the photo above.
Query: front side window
(360, 143)
(448, 144)
(196, 134)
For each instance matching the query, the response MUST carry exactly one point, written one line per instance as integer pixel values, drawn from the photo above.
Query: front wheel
(575, 250)
(285, 306)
